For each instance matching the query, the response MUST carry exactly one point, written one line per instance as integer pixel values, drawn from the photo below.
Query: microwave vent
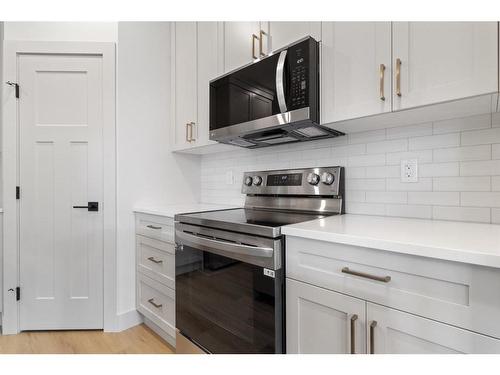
(311, 132)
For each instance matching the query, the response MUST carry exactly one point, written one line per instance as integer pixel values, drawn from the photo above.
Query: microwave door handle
(194, 240)
(280, 86)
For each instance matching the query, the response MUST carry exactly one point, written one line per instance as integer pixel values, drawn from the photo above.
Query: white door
(184, 95)
(440, 61)
(392, 331)
(241, 43)
(320, 321)
(355, 70)
(61, 166)
(282, 34)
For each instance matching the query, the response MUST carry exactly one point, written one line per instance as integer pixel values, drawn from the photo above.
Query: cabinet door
(355, 70)
(321, 321)
(184, 96)
(396, 332)
(240, 45)
(281, 34)
(442, 61)
(210, 65)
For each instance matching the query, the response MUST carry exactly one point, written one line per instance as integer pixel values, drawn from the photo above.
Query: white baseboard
(165, 336)
(129, 319)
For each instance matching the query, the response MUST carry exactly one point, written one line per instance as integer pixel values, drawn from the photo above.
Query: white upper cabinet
(241, 43)
(320, 321)
(184, 83)
(441, 61)
(355, 70)
(280, 34)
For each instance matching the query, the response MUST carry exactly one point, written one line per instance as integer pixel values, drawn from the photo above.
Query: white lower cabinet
(391, 331)
(321, 321)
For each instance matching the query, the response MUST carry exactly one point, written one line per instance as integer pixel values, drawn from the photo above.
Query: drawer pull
(384, 279)
(153, 227)
(152, 259)
(354, 317)
(152, 301)
(372, 336)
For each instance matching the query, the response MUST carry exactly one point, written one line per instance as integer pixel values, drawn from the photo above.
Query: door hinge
(18, 192)
(18, 293)
(16, 85)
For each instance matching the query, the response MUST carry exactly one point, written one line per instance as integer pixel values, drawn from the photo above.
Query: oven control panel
(326, 181)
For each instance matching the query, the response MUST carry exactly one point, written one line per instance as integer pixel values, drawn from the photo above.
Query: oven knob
(257, 180)
(313, 178)
(327, 178)
(248, 181)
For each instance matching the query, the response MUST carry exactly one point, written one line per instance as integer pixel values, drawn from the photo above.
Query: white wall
(459, 169)
(148, 172)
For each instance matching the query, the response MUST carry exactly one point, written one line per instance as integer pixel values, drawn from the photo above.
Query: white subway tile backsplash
(474, 214)
(459, 169)
(466, 123)
(482, 152)
(434, 141)
(423, 184)
(482, 183)
(434, 198)
(438, 169)
(486, 199)
(409, 131)
(480, 168)
(481, 137)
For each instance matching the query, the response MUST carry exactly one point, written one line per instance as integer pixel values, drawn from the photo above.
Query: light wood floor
(136, 340)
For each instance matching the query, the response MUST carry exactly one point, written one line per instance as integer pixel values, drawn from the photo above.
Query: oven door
(229, 297)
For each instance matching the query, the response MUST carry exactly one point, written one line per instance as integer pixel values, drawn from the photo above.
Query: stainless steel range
(230, 263)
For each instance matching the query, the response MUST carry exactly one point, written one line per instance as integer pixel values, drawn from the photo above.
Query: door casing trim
(10, 173)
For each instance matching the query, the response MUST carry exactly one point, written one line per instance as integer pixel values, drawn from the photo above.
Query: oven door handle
(280, 86)
(194, 240)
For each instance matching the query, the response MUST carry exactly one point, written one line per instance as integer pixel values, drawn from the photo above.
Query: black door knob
(92, 206)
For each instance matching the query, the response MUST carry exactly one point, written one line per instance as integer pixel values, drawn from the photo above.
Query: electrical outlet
(229, 178)
(409, 170)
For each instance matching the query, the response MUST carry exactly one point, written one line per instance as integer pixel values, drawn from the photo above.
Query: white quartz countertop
(455, 241)
(172, 210)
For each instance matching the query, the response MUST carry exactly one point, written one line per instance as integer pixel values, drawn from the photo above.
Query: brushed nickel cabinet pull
(354, 317)
(384, 279)
(253, 45)
(372, 336)
(262, 33)
(191, 126)
(382, 73)
(152, 227)
(152, 301)
(398, 76)
(152, 259)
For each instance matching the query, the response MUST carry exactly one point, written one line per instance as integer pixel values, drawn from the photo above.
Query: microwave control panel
(298, 65)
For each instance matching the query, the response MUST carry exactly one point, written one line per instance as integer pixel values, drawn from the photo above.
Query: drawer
(157, 227)
(156, 259)
(157, 303)
(455, 293)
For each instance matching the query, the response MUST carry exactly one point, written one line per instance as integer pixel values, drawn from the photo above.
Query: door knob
(92, 206)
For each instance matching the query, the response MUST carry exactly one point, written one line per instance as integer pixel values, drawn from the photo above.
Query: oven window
(225, 305)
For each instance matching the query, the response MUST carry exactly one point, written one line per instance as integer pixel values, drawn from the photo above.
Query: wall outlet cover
(409, 170)
(229, 178)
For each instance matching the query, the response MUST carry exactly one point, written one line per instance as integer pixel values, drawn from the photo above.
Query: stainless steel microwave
(271, 101)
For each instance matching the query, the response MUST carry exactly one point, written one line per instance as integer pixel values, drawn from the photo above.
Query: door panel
(397, 332)
(284, 33)
(238, 43)
(60, 167)
(351, 85)
(442, 61)
(319, 320)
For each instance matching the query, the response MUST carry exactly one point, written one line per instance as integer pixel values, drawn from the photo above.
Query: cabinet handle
(253, 45)
(372, 336)
(153, 227)
(152, 259)
(398, 76)
(262, 33)
(187, 133)
(354, 317)
(384, 279)
(191, 126)
(152, 301)
(382, 74)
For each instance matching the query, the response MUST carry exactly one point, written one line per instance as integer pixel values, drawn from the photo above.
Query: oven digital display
(291, 179)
